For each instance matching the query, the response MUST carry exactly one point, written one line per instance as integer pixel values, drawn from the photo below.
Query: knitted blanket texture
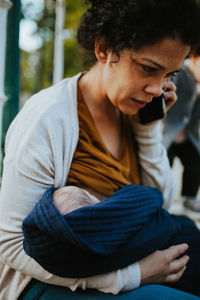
(112, 234)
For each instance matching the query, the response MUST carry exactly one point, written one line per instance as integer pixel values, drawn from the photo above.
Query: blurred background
(37, 32)
(37, 49)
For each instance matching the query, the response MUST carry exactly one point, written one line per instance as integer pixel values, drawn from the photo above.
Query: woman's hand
(164, 266)
(169, 94)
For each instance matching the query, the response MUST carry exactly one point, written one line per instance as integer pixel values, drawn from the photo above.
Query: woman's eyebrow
(153, 62)
(157, 64)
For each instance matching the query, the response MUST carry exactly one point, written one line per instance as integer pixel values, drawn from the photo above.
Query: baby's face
(69, 198)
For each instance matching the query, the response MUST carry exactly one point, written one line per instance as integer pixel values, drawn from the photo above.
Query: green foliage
(37, 66)
(74, 10)
(74, 55)
(28, 65)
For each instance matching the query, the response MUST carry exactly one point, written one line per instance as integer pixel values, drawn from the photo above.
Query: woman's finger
(169, 86)
(175, 276)
(177, 264)
(170, 99)
(174, 251)
(169, 94)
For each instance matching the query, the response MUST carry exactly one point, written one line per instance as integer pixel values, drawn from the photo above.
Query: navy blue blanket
(107, 236)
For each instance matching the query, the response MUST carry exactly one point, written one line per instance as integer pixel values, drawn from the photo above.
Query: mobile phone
(155, 110)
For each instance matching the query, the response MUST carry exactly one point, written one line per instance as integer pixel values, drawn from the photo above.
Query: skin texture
(69, 198)
(163, 266)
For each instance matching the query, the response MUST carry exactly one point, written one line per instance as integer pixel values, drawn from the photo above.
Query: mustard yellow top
(93, 166)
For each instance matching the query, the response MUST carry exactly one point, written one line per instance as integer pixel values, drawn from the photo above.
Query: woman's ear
(101, 50)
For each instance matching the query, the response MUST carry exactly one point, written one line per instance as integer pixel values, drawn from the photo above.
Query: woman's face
(138, 76)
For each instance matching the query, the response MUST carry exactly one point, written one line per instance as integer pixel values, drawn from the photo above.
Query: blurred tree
(37, 65)
(46, 31)
(74, 55)
(28, 65)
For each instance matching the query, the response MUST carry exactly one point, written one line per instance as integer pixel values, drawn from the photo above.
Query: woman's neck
(92, 89)
(106, 117)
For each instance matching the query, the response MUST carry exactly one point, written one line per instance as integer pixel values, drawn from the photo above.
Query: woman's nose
(154, 90)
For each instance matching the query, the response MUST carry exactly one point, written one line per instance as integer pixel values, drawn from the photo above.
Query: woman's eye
(148, 69)
(173, 74)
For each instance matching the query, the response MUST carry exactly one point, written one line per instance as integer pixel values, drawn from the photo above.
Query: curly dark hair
(131, 24)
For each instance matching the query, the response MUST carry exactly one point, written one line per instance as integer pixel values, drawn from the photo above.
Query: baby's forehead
(70, 190)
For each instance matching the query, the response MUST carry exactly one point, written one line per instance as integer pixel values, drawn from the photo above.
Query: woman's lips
(140, 103)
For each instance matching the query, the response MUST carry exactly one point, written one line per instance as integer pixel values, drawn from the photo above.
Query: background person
(182, 129)
(50, 143)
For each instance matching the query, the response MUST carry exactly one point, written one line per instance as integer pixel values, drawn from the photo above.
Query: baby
(69, 198)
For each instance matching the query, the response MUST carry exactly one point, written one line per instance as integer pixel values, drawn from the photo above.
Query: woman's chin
(131, 111)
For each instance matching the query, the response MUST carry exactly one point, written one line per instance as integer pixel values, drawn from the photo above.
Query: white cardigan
(40, 145)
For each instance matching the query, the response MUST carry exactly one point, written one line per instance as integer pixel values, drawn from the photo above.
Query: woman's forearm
(155, 168)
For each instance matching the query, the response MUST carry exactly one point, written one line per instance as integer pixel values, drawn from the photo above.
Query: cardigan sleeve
(154, 163)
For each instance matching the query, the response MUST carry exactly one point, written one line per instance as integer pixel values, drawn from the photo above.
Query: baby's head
(69, 198)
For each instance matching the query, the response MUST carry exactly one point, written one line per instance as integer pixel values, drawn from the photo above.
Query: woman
(138, 45)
